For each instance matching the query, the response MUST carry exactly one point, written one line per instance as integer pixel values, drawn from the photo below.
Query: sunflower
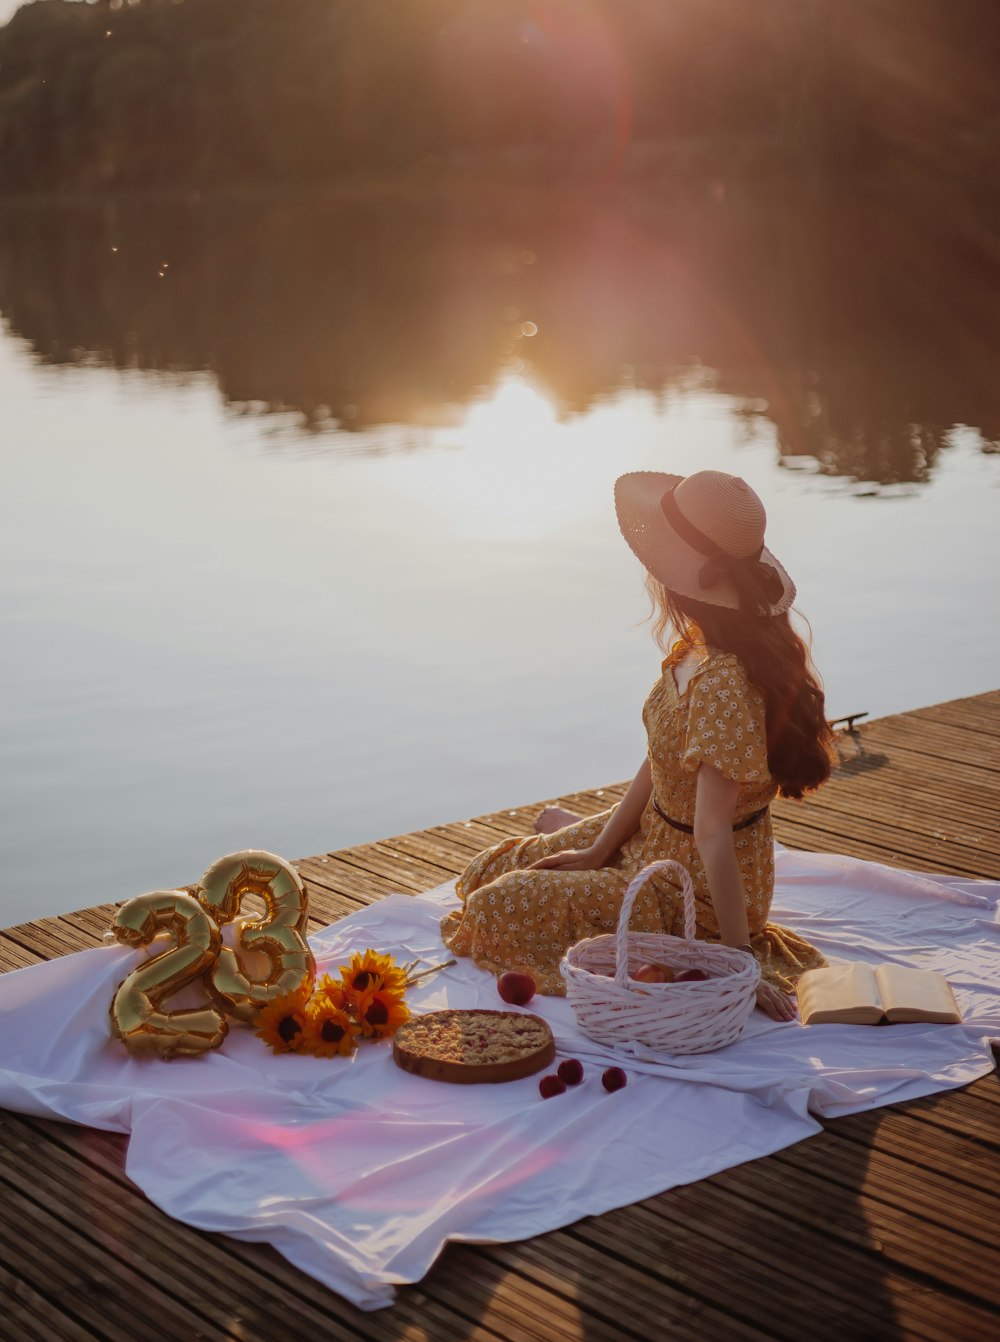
(284, 1023)
(331, 1031)
(379, 1012)
(371, 970)
(332, 990)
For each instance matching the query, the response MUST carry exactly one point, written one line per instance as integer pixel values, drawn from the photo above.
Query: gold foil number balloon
(280, 934)
(137, 1018)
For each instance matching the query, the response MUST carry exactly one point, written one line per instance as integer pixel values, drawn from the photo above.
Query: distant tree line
(855, 337)
(201, 94)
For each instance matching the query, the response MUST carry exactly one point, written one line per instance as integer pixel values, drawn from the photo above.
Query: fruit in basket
(691, 976)
(550, 1085)
(515, 987)
(653, 973)
(570, 1070)
(614, 1079)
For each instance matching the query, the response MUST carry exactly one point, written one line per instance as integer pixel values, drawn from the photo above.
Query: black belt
(689, 829)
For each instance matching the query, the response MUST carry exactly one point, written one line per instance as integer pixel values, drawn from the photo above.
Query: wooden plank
(847, 1270)
(748, 1256)
(820, 829)
(955, 790)
(902, 781)
(47, 938)
(346, 879)
(402, 875)
(960, 716)
(763, 1264)
(920, 811)
(326, 907)
(425, 872)
(880, 829)
(88, 929)
(908, 814)
(450, 857)
(940, 1255)
(468, 1278)
(29, 1317)
(915, 1191)
(331, 903)
(93, 922)
(939, 741)
(959, 1158)
(951, 778)
(949, 1110)
(624, 1294)
(15, 956)
(64, 1262)
(970, 717)
(813, 838)
(467, 835)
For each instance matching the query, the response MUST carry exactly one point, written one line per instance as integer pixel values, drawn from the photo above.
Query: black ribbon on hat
(758, 585)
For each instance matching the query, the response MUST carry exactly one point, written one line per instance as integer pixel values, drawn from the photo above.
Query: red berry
(570, 1071)
(515, 987)
(550, 1085)
(614, 1078)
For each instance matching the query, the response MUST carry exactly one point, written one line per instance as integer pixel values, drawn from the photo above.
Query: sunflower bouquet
(365, 1002)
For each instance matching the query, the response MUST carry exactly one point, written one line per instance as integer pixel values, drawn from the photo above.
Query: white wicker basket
(693, 1017)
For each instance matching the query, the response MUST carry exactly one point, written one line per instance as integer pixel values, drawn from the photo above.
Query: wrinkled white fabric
(360, 1173)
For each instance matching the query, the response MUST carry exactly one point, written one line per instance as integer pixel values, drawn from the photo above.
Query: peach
(691, 976)
(653, 974)
(515, 987)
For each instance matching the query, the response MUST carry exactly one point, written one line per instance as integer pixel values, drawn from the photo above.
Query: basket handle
(628, 899)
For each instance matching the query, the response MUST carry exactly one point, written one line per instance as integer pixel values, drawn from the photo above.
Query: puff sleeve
(726, 723)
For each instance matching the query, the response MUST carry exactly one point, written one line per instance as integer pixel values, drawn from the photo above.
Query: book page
(916, 994)
(839, 994)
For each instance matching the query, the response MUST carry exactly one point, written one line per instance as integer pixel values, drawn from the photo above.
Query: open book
(856, 994)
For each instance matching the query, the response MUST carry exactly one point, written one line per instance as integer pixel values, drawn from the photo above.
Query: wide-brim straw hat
(702, 536)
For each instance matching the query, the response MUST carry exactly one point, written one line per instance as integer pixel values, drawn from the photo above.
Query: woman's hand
(774, 1002)
(570, 859)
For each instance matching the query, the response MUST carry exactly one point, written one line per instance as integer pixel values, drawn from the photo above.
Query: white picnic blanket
(360, 1173)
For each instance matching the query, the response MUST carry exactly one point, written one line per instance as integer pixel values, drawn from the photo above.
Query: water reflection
(864, 330)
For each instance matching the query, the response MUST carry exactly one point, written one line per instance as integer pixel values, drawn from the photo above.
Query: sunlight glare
(512, 473)
(514, 407)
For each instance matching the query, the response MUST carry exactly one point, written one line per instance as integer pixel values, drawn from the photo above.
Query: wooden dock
(886, 1225)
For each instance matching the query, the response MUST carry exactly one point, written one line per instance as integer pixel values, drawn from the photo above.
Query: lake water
(307, 510)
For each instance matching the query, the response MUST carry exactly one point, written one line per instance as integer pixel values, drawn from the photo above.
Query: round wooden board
(446, 1045)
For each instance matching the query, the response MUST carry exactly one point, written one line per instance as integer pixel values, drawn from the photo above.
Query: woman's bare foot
(553, 818)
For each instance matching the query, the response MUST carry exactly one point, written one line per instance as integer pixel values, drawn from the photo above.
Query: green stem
(433, 970)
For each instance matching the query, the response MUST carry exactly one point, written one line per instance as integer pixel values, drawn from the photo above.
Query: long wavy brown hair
(800, 742)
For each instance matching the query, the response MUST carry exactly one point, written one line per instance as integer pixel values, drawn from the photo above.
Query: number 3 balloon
(280, 934)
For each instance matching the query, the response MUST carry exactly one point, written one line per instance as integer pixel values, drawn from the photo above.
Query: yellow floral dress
(517, 919)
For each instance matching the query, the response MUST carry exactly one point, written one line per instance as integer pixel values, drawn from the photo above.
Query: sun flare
(509, 471)
(515, 408)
